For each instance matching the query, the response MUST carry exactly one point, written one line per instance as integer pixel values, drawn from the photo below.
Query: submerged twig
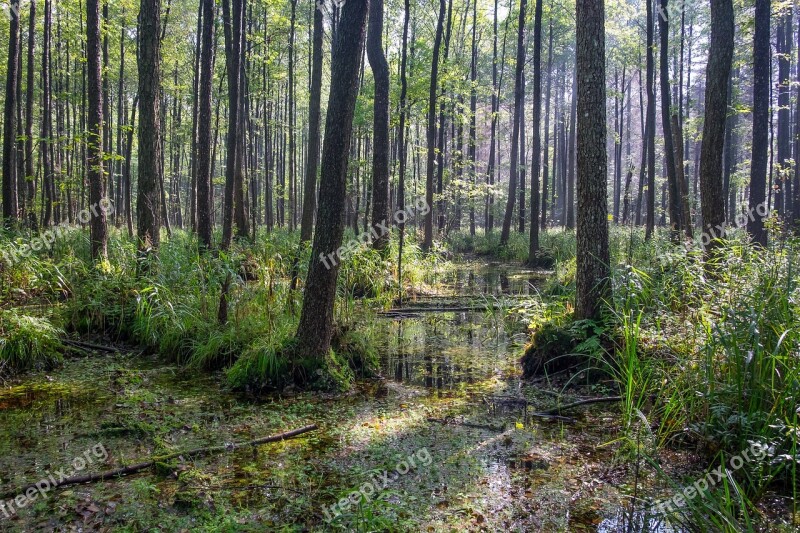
(133, 469)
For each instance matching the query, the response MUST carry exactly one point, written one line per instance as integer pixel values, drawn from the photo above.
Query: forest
(400, 265)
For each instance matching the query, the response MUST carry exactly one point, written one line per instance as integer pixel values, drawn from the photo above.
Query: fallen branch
(590, 401)
(133, 469)
(88, 346)
(450, 421)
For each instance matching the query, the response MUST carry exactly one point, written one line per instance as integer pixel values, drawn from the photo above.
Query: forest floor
(439, 439)
(515, 473)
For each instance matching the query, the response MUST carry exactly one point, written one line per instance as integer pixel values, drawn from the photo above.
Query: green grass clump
(28, 342)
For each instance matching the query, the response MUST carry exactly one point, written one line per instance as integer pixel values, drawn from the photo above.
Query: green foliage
(27, 342)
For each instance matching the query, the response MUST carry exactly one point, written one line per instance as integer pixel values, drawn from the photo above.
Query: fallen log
(134, 468)
(89, 346)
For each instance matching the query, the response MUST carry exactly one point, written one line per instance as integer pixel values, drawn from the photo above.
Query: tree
(718, 71)
(148, 201)
(204, 205)
(519, 88)
(592, 276)
(650, 127)
(666, 123)
(97, 190)
(427, 243)
(10, 206)
(760, 147)
(30, 190)
(533, 248)
(316, 320)
(380, 153)
(314, 118)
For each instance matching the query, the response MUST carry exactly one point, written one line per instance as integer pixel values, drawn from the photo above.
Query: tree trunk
(431, 137)
(717, 73)
(97, 192)
(380, 154)
(205, 221)
(592, 284)
(314, 105)
(519, 88)
(316, 321)
(148, 203)
(10, 205)
(650, 127)
(533, 248)
(30, 183)
(761, 97)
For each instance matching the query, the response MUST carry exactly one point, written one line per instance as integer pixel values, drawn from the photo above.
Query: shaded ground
(531, 475)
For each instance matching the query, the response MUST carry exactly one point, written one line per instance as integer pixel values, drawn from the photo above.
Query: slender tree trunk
(518, 110)
(431, 146)
(30, 179)
(760, 146)
(473, 115)
(650, 127)
(10, 204)
(546, 159)
(205, 220)
(592, 274)
(380, 157)
(666, 123)
(312, 164)
(533, 248)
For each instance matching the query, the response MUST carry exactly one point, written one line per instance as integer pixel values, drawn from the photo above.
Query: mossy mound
(559, 349)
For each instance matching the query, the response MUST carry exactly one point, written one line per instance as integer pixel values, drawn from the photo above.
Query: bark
(519, 88)
(533, 248)
(717, 74)
(760, 146)
(401, 186)
(592, 274)
(473, 115)
(205, 221)
(10, 203)
(312, 162)
(148, 202)
(650, 128)
(29, 178)
(316, 321)
(380, 154)
(431, 134)
(666, 123)
(97, 190)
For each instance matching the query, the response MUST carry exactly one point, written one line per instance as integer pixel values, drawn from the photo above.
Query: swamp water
(422, 446)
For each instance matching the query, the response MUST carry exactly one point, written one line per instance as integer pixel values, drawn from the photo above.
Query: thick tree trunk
(148, 203)
(95, 134)
(380, 154)
(717, 74)
(316, 321)
(592, 274)
(760, 147)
